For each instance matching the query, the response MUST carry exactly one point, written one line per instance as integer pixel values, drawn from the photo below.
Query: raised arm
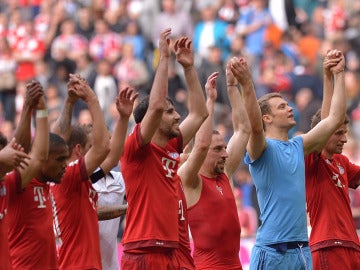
(317, 137)
(23, 130)
(257, 143)
(100, 136)
(124, 104)
(241, 125)
(159, 91)
(62, 126)
(40, 147)
(331, 60)
(197, 108)
(189, 171)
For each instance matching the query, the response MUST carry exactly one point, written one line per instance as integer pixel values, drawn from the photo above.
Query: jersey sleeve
(353, 173)
(75, 174)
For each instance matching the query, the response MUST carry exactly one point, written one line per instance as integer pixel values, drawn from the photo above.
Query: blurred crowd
(113, 43)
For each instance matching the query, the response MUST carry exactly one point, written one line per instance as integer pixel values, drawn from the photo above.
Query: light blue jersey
(279, 177)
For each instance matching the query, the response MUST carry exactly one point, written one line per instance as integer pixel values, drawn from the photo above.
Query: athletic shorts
(336, 258)
(267, 258)
(148, 261)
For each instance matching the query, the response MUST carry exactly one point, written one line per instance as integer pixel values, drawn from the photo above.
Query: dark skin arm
(23, 131)
(12, 156)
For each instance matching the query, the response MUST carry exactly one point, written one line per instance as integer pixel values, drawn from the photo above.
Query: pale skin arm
(189, 171)
(111, 213)
(40, 148)
(332, 60)
(241, 125)
(197, 107)
(257, 143)
(100, 137)
(124, 104)
(316, 138)
(158, 92)
(62, 126)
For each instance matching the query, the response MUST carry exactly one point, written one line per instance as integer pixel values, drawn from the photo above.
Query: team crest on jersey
(219, 189)
(174, 155)
(337, 181)
(341, 169)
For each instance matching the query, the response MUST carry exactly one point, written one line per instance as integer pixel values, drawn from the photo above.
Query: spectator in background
(7, 80)
(104, 85)
(27, 50)
(133, 35)
(105, 44)
(177, 90)
(85, 22)
(174, 17)
(210, 32)
(307, 106)
(68, 44)
(213, 63)
(252, 24)
(131, 70)
(116, 18)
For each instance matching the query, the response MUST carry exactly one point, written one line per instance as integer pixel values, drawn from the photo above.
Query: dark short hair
(55, 141)
(78, 135)
(142, 107)
(317, 118)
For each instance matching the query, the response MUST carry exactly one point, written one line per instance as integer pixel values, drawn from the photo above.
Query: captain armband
(97, 175)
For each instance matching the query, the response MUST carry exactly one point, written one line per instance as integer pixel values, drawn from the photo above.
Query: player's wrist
(42, 113)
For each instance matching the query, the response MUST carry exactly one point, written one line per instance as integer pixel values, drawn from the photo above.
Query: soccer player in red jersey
(110, 184)
(74, 205)
(150, 161)
(329, 175)
(208, 189)
(31, 238)
(188, 164)
(12, 156)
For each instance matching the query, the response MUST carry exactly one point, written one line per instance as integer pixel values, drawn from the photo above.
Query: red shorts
(336, 258)
(148, 261)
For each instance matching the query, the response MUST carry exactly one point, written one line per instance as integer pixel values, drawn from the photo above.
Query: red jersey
(183, 253)
(328, 202)
(151, 192)
(215, 226)
(102, 46)
(31, 235)
(75, 219)
(26, 46)
(4, 243)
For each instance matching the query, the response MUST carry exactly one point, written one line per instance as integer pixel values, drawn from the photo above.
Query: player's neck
(160, 140)
(327, 155)
(277, 134)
